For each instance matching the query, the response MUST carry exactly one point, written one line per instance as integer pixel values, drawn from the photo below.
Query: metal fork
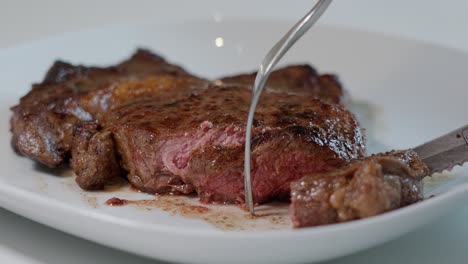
(269, 62)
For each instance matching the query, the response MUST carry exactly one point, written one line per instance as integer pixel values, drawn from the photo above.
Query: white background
(441, 22)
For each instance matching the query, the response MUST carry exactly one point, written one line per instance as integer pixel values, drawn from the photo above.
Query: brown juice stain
(90, 200)
(274, 216)
(225, 217)
(70, 185)
(42, 184)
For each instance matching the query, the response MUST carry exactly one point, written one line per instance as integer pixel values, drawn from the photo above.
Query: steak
(172, 132)
(197, 144)
(42, 123)
(299, 80)
(364, 188)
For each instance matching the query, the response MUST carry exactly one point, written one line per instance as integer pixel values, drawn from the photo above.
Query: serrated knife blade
(446, 151)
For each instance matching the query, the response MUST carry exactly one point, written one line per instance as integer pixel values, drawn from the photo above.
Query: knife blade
(446, 151)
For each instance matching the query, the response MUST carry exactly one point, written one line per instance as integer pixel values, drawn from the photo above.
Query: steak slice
(42, 122)
(364, 188)
(300, 80)
(197, 143)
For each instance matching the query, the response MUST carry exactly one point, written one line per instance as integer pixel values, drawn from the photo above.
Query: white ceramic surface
(408, 84)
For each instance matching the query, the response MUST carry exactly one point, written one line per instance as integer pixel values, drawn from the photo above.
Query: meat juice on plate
(225, 217)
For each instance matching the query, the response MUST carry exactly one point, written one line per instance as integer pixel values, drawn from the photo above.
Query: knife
(446, 151)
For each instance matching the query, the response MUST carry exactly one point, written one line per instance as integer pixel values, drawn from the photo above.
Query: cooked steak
(300, 80)
(176, 133)
(197, 143)
(364, 188)
(42, 123)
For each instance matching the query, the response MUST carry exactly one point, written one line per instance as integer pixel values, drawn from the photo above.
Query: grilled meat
(299, 80)
(43, 121)
(173, 132)
(363, 188)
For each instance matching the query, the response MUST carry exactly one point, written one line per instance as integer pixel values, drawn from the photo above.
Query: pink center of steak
(176, 152)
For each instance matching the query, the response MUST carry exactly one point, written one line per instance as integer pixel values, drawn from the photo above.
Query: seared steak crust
(364, 188)
(299, 80)
(42, 122)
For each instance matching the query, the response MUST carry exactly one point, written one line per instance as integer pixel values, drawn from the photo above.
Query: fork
(269, 62)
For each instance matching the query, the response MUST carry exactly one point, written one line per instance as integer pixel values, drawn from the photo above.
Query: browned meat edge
(364, 188)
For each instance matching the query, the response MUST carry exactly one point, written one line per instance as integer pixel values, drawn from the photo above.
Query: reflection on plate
(408, 86)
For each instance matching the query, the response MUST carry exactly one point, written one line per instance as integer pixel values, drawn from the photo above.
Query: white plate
(408, 92)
